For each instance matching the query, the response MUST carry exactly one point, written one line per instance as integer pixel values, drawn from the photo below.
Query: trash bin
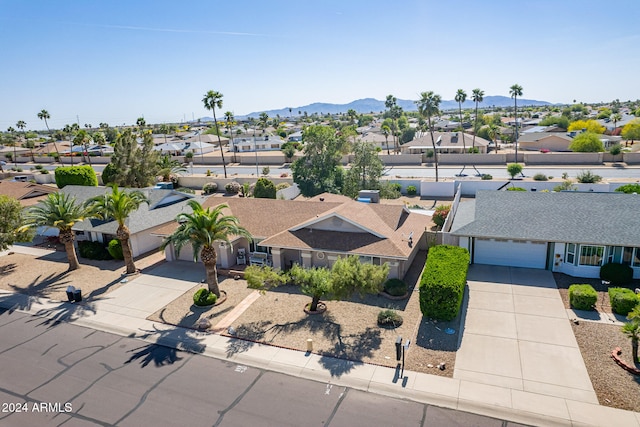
(70, 291)
(77, 295)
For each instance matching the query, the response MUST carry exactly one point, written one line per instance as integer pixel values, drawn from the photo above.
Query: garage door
(515, 253)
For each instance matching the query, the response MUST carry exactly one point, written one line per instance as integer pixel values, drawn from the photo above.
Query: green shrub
(390, 191)
(282, 186)
(109, 173)
(616, 274)
(265, 189)
(622, 300)
(395, 287)
(389, 318)
(629, 189)
(443, 280)
(516, 189)
(587, 177)
(540, 177)
(38, 167)
(204, 297)
(209, 188)
(582, 297)
(93, 250)
(232, 187)
(44, 172)
(266, 170)
(486, 177)
(412, 190)
(76, 175)
(566, 185)
(440, 214)
(115, 249)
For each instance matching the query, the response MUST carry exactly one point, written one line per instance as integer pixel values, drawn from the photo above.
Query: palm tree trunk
(224, 165)
(210, 259)
(314, 303)
(66, 237)
(123, 235)
(634, 350)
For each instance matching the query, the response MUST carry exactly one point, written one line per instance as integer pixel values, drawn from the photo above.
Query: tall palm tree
(12, 130)
(44, 115)
(515, 91)
(461, 97)
(229, 121)
(59, 210)
(478, 97)
(391, 104)
(21, 124)
(386, 131)
(118, 205)
(201, 229)
(213, 100)
(82, 139)
(141, 122)
(429, 106)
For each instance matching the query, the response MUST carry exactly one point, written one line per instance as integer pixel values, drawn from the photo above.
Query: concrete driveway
(517, 336)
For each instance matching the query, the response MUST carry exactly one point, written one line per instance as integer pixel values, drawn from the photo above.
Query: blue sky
(113, 61)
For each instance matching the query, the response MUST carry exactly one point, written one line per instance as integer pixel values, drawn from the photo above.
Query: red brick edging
(615, 355)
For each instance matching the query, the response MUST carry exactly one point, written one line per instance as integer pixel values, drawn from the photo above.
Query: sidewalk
(124, 312)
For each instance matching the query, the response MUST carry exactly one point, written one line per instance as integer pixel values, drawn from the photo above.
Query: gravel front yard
(613, 385)
(348, 329)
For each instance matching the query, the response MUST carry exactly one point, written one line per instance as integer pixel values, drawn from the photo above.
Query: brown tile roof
(287, 223)
(27, 193)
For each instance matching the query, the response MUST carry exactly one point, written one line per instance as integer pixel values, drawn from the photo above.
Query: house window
(570, 256)
(254, 246)
(366, 259)
(636, 258)
(591, 255)
(627, 255)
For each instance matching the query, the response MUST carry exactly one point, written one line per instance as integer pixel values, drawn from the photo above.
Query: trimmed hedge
(264, 189)
(616, 274)
(395, 287)
(443, 280)
(115, 249)
(582, 297)
(622, 300)
(76, 175)
(204, 297)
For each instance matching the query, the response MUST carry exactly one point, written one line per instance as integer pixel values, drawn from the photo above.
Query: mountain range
(369, 105)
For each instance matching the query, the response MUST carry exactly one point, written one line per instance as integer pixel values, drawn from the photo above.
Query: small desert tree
(514, 169)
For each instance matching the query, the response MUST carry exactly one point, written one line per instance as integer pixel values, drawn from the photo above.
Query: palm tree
(386, 131)
(211, 100)
(118, 205)
(82, 138)
(229, 121)
(169, 167)
(141, 122)
(21, 124)
(615, 118)
(515, 91)
(428, 106)
(391, 104)
(11, 130)
(461, 97)
(59, 210)
(44, 115)
(201, 229)
(478, 97)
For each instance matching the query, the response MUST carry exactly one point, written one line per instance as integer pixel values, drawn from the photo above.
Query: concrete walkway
(517, 336)
(524, 391)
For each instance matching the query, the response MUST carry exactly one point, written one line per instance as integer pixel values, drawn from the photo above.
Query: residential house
(316, 232)
(552, 141)
(568, 232)
(446, 142)
(258, 143)
(27, 193)
(163, 207)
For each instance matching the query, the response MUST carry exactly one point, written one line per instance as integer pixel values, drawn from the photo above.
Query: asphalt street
(54, 374)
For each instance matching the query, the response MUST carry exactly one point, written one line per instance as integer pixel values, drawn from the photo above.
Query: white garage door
(513, 253)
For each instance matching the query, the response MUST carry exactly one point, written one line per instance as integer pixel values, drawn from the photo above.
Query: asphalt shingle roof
(592, 218)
